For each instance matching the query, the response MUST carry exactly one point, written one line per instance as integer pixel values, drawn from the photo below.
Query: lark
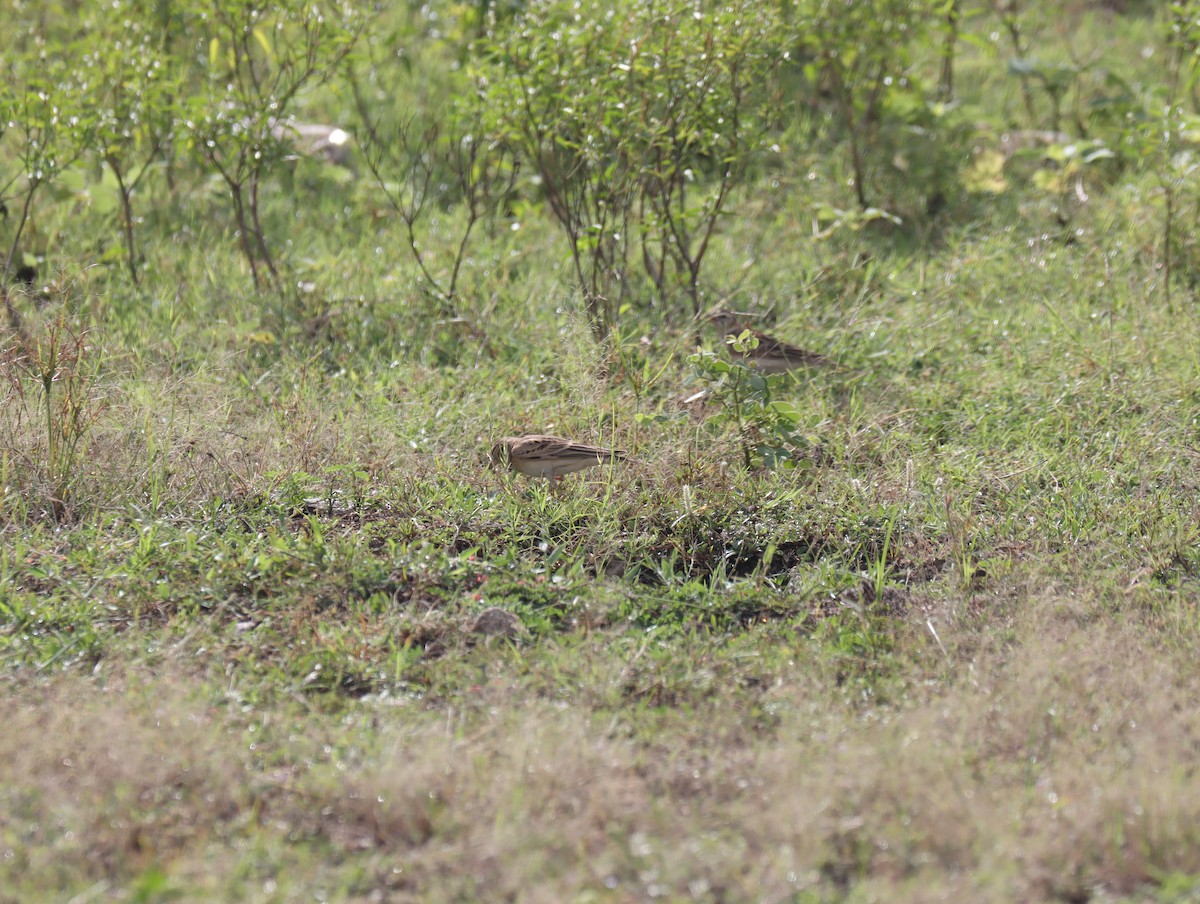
(550, 456)
(771, 356)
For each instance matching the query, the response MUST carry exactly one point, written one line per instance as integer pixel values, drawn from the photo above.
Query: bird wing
(770, 347)
(557, 449)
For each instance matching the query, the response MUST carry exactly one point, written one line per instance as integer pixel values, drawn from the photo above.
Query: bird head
(498, 456)
(725, 321)
(728, 322)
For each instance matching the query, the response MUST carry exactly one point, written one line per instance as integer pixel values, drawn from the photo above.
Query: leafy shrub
(48, 126)
(259, 61)
(768, 427)
(855, 66)
(638, 121)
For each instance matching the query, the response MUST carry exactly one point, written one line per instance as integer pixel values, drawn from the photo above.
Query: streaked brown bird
(549, 456)
(771, 356)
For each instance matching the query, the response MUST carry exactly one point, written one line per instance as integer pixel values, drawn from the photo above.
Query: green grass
(950, 654)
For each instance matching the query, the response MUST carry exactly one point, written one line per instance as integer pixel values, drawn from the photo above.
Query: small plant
(768, 428)
(963, 532)
(879, 567)
(345, 488)
(62, 365)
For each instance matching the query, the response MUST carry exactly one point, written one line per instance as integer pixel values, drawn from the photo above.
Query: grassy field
(252, 550)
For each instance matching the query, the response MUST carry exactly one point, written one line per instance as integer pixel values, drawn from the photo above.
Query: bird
(549, 456)
(771, 356)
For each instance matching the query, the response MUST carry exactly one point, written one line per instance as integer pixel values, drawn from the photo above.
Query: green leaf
(786, 410)
(261, 38)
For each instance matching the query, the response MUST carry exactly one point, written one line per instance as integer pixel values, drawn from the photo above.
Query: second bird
(771, 356)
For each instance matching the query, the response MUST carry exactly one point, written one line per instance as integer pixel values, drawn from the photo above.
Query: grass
(949, 655)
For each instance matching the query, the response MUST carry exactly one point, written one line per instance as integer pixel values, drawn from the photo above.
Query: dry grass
(1055, 765)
